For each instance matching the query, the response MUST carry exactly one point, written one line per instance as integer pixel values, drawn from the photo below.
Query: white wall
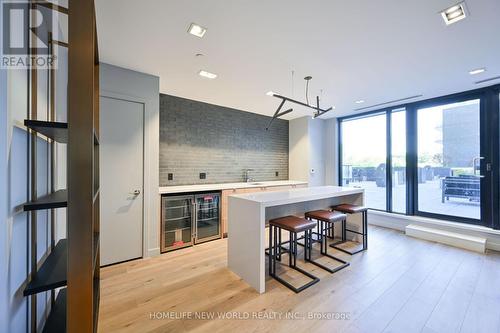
(313, 146)
(317, 152)
(122, 83)
(331, 152)
(298, 157)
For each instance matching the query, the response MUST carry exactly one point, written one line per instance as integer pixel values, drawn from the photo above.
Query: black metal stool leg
(323, 251)
(292, 261)
(271, 255)
(365, 237)
(279, 247)
(363, 233)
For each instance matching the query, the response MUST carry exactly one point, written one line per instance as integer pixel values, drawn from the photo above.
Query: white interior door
(121, 176)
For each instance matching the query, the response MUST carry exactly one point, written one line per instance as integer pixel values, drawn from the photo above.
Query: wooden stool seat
(326, 216)
(350, 209)
(293, 223)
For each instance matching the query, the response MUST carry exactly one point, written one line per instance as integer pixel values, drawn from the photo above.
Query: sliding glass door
(398, 160)
(449, 158)
(364, 157)
(438, 158)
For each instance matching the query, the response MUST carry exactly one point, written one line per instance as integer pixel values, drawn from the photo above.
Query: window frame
(490, 121)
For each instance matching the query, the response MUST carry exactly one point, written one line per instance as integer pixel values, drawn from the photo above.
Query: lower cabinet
(226, 193)
(189, 219)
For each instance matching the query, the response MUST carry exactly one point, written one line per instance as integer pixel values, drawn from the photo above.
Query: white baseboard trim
(153, 252)
(472, 243)
(400, 222)
(492, 245)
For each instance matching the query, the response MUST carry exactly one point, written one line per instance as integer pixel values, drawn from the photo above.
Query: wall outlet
(203, 175)
(170, 176)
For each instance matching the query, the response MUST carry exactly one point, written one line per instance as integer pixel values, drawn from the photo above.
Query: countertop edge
(225, 186)
(283, 201)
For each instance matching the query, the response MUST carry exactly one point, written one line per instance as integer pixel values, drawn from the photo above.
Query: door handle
(475, 164)
(136, 192)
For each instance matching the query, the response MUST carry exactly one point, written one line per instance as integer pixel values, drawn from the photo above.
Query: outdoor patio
(429, 199)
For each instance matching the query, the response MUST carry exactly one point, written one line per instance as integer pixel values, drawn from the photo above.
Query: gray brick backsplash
(198, 137)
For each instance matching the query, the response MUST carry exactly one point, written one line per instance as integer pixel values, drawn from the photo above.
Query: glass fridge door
(207, 217)
(177, 222)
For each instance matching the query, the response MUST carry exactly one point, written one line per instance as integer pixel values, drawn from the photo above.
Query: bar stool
(352, 209)
(326, 220)
(293, 225)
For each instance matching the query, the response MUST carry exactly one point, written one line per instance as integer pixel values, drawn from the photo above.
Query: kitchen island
(249, 213)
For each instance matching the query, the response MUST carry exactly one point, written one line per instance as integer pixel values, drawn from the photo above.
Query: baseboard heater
(472, 243)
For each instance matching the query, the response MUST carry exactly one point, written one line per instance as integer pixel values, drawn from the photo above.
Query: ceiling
(376, 51)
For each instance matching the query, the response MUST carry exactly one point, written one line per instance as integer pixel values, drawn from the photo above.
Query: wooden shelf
(53, 130)
(57, 318)
(53, 273)
(58, 199)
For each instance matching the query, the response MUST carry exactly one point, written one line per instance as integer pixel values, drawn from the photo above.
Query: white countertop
(269, 199)
(226, 186)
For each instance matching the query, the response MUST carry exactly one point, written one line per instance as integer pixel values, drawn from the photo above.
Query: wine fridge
(189, 219)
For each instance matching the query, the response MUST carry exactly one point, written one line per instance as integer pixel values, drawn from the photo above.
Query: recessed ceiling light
(197, 30)
(359, 101)
(477, 71)
(454, 13)
(206, 74)
(270, 93)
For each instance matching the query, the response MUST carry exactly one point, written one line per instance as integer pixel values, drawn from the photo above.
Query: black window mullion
(388, 165)
(411, 160)
(493, 122)
(341, 169)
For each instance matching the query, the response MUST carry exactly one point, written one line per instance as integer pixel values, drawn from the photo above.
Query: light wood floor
(400, 284)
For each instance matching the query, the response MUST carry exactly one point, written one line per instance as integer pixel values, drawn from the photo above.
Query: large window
(438, 158)
(398, 160)
(449, 159)
(364, 157)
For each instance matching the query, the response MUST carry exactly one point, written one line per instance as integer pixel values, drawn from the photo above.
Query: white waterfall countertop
(248, 213)
(227, 186)
(269, 199)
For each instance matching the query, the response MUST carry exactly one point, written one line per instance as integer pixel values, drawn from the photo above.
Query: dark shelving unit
(56, 322)
(83, 170)
(52, 130)
(58, 199)
(74, 262)
(53, 272)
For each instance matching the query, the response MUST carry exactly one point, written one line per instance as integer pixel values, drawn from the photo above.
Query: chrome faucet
(247, 176)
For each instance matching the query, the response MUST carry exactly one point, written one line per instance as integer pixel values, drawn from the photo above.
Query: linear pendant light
(278, 113)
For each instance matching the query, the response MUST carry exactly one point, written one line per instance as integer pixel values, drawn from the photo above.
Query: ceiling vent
(387, 103)
(488, 80)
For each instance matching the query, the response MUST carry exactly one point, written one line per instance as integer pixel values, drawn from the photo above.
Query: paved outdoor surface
(429, 200)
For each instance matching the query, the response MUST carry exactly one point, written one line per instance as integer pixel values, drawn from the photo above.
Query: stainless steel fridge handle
(195, 219)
